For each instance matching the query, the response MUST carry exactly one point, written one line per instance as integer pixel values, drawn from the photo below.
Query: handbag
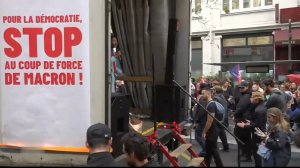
(264, 152)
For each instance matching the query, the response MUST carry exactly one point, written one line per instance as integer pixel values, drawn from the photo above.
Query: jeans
(212, 151)
(200, 139)
(223, 138)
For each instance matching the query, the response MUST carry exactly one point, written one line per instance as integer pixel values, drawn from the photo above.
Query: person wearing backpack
(220, 98)
(211, 130)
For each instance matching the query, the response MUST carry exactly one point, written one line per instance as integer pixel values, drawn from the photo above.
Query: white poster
(45, 82)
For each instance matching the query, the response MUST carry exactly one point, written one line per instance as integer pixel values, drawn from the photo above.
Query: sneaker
(224, 149)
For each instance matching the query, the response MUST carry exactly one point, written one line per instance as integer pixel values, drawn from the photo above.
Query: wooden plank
(195, 162)
(135, 78)
(181, 149)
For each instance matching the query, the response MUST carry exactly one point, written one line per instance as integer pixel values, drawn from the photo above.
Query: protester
(200, 119)
(258, 120)
(99, 141)
(242, 114)
(116, 62)
(278, 140)
(138, 151)
(201, 82)
(219, 97)
(285, 87)
(297, 138)
(211, 131)
(228, 94)
(256, 87)
(277, 98)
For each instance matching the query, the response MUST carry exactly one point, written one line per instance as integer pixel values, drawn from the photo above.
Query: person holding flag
(235, 72)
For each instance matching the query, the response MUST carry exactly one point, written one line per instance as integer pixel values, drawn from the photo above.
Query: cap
(98, 131)
(244, 84)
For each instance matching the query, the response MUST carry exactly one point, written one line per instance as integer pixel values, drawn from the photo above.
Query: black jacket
(101, 159)
(243, 107)
(228, 92)
(201, 114)
(277, 99)
(281, 148)
(259, 117)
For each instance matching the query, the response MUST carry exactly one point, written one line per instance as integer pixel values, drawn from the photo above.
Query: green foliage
(226, 11)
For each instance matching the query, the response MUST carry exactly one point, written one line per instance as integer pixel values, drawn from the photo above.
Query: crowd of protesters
(265, 113)
(268, 106)
(137, 149)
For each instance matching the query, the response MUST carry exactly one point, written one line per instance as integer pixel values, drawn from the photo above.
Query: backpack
(220, 115)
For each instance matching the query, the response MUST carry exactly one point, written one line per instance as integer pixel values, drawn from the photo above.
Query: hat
(98, 131)
(258, 95)
(244, 84)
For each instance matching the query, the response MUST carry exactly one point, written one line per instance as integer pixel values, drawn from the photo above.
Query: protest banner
(45, 72)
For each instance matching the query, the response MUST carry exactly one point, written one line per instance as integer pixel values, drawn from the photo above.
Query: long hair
(281, 123)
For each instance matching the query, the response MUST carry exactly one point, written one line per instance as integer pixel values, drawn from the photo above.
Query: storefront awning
(283, 35)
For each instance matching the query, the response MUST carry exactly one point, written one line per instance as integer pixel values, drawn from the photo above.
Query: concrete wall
(286, 4)
(248, 19)
(97, 60)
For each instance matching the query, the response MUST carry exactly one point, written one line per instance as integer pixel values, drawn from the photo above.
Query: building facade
(244, 30)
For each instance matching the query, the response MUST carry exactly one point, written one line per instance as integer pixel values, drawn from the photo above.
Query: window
(234, 42)
(263, 40)
(256, 3)
(235, 4)
(245, 5)
(198, 6)
(268, 2)
(196, 44)
(196, 61)
(247, 48)
(226, 6)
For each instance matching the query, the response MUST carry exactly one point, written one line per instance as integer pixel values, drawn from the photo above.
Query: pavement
(230, 159)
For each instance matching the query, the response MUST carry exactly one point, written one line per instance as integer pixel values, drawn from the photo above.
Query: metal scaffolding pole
(290, 45)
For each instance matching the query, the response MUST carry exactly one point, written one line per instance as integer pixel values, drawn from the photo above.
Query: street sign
(257, 69)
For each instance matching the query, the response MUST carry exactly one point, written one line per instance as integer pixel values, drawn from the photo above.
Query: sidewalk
(229, 158)
(231, 140)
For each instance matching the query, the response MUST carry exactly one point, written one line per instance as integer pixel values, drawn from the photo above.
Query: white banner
(45, 77)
